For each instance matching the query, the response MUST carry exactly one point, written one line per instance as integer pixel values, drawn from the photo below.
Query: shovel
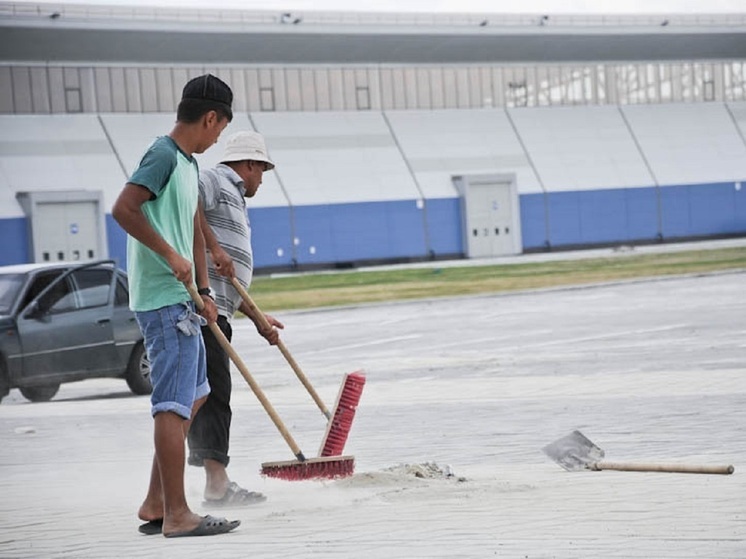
(576, 452)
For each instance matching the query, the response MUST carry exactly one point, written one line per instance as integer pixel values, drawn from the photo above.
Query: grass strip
(310, 290)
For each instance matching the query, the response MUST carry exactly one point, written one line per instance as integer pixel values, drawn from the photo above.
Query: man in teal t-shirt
(166, 250)
(170, 177)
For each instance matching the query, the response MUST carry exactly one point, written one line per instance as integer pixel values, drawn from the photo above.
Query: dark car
(64, 322)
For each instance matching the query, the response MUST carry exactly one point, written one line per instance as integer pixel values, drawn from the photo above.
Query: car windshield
(10, 285)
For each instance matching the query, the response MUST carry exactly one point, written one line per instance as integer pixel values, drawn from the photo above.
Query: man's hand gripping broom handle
(225, 344)
(284, 350)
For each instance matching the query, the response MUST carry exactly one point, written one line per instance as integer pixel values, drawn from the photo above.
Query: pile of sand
(401, 475)
(425, 470)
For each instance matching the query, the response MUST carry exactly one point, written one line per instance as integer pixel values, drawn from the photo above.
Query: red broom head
(344, 412)
(313, 468)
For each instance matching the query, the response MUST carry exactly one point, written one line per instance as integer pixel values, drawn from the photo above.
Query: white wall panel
(131, 134)
(738, 115)
(57, 152)
(336, 157)
(9, 206)
(689, 143)
(443, 143)
(581, 148)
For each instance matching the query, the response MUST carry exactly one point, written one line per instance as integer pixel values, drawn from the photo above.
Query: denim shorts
(178, 366)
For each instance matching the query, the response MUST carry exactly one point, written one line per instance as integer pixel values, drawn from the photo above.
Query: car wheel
(138, 371)
(40, 393)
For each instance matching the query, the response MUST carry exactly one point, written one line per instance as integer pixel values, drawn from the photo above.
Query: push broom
(340, 422)
(327, 467)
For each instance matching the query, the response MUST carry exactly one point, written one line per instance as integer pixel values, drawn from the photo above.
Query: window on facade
(73, 102)
(363, 98)
(266, 99)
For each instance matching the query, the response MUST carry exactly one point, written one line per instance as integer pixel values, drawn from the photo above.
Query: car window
(10, 286)
(121, 297)
(93, 286)
(60, 298)
(40, 283)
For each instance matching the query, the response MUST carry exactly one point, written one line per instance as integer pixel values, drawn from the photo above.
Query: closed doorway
(65, 225)
(490, 215)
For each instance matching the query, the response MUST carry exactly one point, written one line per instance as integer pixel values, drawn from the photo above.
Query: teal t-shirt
(172, 177)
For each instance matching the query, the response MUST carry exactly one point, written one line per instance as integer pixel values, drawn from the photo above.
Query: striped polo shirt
(221, 192)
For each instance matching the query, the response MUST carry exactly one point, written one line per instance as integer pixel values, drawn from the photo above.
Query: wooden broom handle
(226, 345)
(284, 350)
(673, 468)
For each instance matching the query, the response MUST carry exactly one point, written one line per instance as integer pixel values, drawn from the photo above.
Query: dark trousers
(210, 431)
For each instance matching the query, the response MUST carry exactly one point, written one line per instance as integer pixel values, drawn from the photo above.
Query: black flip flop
(208, 526)
(151, 527)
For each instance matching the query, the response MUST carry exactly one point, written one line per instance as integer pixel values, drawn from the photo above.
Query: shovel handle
(284, 350)
(673, 468)
(226, 345)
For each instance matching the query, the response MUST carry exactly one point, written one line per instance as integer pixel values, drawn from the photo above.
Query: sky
(452, 6)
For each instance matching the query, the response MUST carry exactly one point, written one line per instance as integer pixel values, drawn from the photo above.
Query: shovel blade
(574, 452)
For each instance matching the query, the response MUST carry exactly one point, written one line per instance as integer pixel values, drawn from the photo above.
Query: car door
(67, 332)
(126, 330)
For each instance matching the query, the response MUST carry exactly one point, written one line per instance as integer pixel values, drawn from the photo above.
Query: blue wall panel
(117, 240)
(603, 216)
(405, 228)
(328, 234)
(14, 233)
(674, 207)
(702, 210)
(533, 220)
(313, 229)
(271, 236)
(359, 231)
(713, 209)
(642, 214)
(363, 231)
(444, 226)
(564, 218)
(739, 196)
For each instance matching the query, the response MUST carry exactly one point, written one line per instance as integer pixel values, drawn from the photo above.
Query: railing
(89, 12)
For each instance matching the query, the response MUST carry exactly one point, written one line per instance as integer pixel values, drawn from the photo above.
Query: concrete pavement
(652, 370)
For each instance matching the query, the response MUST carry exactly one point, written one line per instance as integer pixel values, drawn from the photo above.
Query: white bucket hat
(246, 146)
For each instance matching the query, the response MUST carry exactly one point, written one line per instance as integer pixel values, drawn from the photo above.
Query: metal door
(67, 231)
(66, 225)
(490, 215)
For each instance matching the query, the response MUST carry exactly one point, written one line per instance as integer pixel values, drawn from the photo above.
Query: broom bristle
(312, 468)
(340, 424)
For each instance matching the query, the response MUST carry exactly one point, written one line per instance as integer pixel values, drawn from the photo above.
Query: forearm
(211, 242)
(244, 308)
(200, 258)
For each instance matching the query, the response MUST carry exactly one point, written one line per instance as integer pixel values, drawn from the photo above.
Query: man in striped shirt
(222, 193)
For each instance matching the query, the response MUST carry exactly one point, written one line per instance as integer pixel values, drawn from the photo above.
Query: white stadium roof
(47, 33)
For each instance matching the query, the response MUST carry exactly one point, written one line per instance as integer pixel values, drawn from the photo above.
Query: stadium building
(397, 137)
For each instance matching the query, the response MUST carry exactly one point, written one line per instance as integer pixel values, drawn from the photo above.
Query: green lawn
(303, 291)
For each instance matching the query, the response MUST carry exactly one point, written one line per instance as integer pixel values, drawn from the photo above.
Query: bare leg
(168, 463)
(216, 482)
(152, 507)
